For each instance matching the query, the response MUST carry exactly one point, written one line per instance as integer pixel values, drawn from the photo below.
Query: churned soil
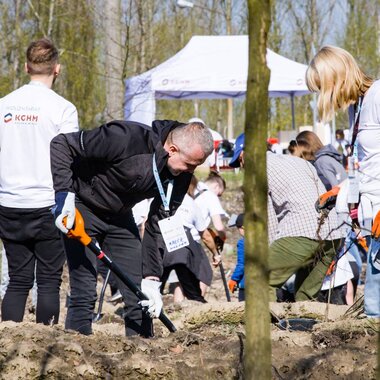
(209, 343)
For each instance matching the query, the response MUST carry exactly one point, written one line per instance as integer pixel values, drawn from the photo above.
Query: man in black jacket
(104, 173)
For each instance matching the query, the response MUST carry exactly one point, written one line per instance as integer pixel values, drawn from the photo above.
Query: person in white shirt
(192, 266)
(30, 117)
(207, 196)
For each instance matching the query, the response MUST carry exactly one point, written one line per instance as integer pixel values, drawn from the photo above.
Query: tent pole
(293, 114)
(196, 108)
(230, 119)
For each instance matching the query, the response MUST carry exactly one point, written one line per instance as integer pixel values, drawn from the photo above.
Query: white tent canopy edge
(208, 67)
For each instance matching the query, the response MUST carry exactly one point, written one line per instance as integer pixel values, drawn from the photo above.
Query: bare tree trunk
(114, 60)
(258, 343)
(51, 18)
(140, 13)
(16, 63)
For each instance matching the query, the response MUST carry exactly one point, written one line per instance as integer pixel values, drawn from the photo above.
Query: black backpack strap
(201, 192)
(358, 108)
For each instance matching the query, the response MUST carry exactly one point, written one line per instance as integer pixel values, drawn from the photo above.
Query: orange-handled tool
(78, 232)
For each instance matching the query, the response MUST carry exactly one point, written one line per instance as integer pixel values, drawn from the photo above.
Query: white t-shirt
(368, 138)
(31, 117)
(208, 202)
(191, 217)
(341, 274)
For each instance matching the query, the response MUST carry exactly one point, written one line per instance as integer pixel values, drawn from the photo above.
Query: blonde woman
(342, 85)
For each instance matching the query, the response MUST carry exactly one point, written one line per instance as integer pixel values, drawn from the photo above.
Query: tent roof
(217, 66)
(208, 67)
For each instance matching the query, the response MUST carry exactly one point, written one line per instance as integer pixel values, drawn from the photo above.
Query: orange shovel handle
(78, 232)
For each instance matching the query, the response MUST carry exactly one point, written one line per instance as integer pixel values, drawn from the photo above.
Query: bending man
(104, 173)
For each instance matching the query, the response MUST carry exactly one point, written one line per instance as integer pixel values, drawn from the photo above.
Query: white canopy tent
(208, 67)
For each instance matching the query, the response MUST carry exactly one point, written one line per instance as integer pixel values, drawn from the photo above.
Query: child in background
(237, 278)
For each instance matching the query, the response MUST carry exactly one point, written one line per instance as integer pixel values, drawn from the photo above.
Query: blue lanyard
(165, 198)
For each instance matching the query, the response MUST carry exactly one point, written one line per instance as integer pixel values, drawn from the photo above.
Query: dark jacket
(110, 170)
(328, 162)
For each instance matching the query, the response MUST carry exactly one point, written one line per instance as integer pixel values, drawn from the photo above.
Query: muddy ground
(209, 343)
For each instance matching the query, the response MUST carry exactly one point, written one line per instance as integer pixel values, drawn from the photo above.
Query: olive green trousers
(309, 259)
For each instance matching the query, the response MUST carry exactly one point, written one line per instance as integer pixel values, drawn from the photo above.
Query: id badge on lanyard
(171, 228)
(173, 233)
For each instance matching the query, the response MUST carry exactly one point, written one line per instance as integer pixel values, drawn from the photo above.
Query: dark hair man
(104, 173)
(31, 116)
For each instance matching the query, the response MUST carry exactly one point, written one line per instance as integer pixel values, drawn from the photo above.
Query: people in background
(207, 196)
(190, 263)
(328, 163)
(342, 146)
(273, 145)
(299, 241)
(325, 158)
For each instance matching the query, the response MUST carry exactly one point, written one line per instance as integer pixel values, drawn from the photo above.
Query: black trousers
(34, 249)
(187, 279)
(119, 239)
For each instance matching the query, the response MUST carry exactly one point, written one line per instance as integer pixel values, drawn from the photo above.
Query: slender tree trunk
(258, 343)
(16, 63)
(51, 18)
(114, 60)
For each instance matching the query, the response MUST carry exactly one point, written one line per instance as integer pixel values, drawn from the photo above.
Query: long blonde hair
(337, 77)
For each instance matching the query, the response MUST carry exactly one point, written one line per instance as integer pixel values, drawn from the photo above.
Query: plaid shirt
(293, 189)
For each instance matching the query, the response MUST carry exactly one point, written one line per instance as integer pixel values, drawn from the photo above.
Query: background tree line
(102, 43)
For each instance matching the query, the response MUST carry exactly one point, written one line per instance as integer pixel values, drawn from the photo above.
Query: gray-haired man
(104, 173)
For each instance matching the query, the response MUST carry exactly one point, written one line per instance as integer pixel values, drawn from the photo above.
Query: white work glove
(151, 289)
(64, 207)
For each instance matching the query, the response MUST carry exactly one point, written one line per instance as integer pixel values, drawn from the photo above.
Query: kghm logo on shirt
(7, 117)
(26, 118)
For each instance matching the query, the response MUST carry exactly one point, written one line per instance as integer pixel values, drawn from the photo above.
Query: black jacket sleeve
(106, 143)
(63, 149)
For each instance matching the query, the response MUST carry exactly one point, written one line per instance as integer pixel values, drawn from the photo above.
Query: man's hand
(362, 242)
(216, 260)
(232, 285)
(64, 207)
(151, 289)
(376, 227)
(219, 242)
(327, 200)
